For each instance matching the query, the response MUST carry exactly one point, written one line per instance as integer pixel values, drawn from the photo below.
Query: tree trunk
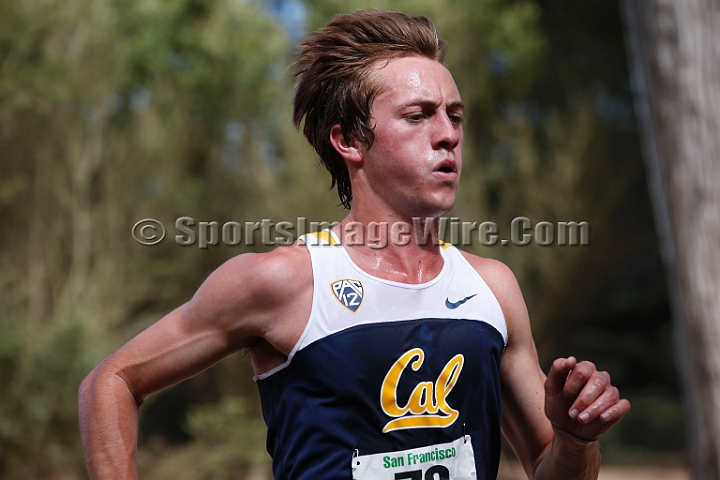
(674, 48)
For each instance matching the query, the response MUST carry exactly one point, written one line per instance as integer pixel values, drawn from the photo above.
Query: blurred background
(112, 111)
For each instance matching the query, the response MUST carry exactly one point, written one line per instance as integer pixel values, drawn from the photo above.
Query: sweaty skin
(411, 170)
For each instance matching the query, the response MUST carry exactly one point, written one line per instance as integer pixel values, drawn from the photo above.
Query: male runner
(372, 364)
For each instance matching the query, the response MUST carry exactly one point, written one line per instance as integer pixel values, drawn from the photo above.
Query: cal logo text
(427, 405)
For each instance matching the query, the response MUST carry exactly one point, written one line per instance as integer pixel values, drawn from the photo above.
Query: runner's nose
(448, 133)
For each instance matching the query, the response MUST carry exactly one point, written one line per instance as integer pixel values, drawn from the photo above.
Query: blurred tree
(675, 54)
(112, 111)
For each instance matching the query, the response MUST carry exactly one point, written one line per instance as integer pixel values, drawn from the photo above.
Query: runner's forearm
(108, 426)
(569, 458)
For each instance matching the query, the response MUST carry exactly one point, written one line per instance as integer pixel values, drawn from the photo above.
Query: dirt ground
(513, 471)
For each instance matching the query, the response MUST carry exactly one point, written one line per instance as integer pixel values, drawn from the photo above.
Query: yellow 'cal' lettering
(427, 405)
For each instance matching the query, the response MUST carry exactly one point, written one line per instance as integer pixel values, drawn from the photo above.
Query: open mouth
(447, 166)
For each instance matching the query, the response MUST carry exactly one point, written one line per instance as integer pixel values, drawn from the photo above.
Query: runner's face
(415, 161)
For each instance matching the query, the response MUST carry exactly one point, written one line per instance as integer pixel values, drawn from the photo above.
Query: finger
(578, 378)
(593, 410)
(595, 386)
(615, 413)
(558, 375)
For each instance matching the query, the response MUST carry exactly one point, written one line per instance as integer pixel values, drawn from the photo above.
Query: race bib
(445, 461)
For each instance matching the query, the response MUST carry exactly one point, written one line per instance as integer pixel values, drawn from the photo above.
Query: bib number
(438, 472)
(446, 461)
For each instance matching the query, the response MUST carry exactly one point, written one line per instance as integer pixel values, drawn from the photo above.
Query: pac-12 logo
(348, 292)
(427, 406)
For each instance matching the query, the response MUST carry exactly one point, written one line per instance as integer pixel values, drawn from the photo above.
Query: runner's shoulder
(260, 281)
(494, 272)
(285, 268)
(503, 284)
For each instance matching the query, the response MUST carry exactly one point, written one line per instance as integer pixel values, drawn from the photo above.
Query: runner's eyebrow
(456, 106)
(425, 104)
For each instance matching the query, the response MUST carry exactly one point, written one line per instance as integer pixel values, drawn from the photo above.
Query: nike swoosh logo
(452, 305)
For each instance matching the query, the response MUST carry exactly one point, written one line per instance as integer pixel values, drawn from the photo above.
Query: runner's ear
(350, 151)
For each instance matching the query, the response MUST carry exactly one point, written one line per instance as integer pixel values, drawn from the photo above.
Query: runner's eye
(415, 117)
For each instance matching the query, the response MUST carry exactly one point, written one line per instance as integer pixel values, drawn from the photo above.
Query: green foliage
(40, 371)
(229, 439)
(652, 435)
(230, 423)
(113, 111)
(217, 52)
